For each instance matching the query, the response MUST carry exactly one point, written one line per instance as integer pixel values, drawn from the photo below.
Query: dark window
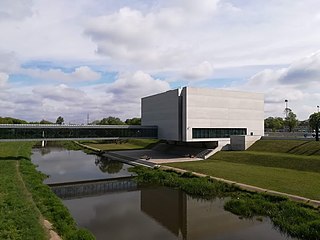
(217, 132)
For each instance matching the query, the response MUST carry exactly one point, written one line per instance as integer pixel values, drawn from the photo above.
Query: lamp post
(286, 109)
(318, 108)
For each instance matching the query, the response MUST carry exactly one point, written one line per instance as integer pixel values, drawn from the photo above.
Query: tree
(43, 121)
(111, 121)
(291, 120)
(133, 121)
(273, 123)
(59, 120)
(10, 120)
(314, 122)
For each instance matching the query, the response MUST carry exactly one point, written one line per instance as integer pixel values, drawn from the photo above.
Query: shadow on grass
(293, 149)
(15, 158)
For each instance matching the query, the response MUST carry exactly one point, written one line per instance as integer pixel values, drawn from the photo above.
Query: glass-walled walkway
(74, 132)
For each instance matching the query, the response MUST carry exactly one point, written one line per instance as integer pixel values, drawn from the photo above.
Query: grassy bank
(24, 199)
(129, 144)
(19, 217)
(269, 164)
(292, 218)
(297, 147)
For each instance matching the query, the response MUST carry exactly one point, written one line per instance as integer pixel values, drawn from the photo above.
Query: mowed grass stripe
(278, 160)
(300, 183)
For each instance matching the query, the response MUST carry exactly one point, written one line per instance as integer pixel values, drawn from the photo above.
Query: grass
(300, 183)
(199, 187)
(19, 217)
(294, 219)
(298, 147)
(23, 196)
(272, 164)
(129, 144)
(278, 160)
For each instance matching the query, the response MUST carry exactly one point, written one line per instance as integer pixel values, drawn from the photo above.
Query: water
(141, 213)
(164, 214)
(67, 166)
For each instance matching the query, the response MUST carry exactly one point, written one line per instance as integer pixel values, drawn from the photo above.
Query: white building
(204, 115)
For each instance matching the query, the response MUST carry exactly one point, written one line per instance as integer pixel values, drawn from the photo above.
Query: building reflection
(168, 207)
(189, 218)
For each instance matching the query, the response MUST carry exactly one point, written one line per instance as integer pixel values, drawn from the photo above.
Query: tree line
(60, 120)
(290, 123)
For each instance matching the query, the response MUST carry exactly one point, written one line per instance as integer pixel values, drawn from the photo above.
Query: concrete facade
(187, 114)
(162, 110)
(241, 143)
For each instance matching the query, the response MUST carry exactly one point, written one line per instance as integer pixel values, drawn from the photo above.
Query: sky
(97, 58)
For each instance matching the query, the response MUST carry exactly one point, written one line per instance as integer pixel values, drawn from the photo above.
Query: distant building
(204, 115)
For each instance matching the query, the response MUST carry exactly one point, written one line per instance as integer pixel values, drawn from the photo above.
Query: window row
(217, 132)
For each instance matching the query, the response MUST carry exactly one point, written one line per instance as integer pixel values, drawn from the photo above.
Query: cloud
(178, 40)
(3, 79)
(304, 73)
(120, 98)
(82, 73)
(299, 83)
(306, 70)
(133, 86)
(146, 39)
(8, 62)
(60, 93)
(200, 72)
(15, 10)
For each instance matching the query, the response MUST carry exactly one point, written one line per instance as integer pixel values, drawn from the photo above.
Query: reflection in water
(44, 151)
(168, 207)
(99, 187)
(157, 214)
(108, 165)
(67, 165)
(164, 214)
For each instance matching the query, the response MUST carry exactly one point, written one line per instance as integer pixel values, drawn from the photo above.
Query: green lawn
(268, 164)
(19, 217)
(278, 160)
(298, 147)
(23, 196)
(128, 145)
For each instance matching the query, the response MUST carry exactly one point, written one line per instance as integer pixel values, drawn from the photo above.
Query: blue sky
(99, 57)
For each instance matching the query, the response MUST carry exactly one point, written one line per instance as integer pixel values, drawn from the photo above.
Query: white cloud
(200, 72)
(120, 98)
(82, 73)
(299, 83)
(174, 38)
(8, 62)
(153, 40)
(303, 71)
(3, 79)
(15, 10)
(133, 86)
(60, 93)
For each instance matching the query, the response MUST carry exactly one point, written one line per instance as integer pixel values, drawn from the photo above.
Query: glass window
(217, 132)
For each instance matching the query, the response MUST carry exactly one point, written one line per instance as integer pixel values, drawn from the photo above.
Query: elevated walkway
(53, 132)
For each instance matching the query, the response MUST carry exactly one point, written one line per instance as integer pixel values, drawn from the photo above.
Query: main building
(204, 115)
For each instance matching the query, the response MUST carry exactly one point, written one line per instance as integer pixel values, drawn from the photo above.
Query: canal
(117, 208)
